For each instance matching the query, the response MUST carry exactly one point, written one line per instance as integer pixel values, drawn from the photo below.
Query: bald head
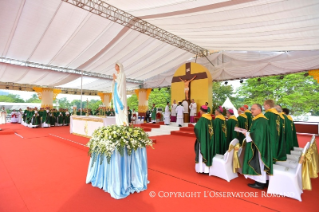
(256, 109)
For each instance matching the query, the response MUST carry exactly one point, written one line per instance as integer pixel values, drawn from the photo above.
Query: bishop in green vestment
(249, 116)
(281, 150)
(220, 132)
(242, 123)
(25, 114)
(36, 118)
(258, 159)
(232, 122)
(153, 114)
(291, 127)
(66, 117)
(204, 151)
(274, 127)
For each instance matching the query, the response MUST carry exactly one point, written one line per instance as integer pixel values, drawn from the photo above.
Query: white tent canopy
(247, 35)
(228, 105)
(18, 106)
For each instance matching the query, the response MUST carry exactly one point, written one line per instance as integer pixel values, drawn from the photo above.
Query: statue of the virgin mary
(119, 95)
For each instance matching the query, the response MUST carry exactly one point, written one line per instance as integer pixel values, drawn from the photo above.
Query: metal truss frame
(119, 16)
(63, 70)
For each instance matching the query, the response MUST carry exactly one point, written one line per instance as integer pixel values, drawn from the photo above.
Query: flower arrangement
(106, 139)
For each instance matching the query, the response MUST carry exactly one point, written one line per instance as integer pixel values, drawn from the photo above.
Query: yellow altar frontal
(85, 125)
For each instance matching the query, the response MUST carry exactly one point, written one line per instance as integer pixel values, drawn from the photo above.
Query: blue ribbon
(117, 100)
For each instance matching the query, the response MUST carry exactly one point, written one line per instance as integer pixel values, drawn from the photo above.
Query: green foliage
(93, 104)
(295, 91)
(132, 102)
(221, 92)
(34, 99)
(11, 98)
(159, 97)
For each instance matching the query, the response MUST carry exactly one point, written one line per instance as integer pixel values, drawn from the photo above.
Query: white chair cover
(223, 165)
(287, 181)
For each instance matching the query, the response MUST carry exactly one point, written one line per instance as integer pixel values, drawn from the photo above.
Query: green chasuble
(29, 117)
(61, 118)
(129, 115)
(25, 115)
(281, 151)
(242, 123)
(274, 128)
(67, 118)
(52, 119)
(204, 139)
(260, 135)
(154, 113)
(294, 133)
(46, 117)
(249, 118)
(36, 119)
(288, 134)
(231, 133)
(220, 133)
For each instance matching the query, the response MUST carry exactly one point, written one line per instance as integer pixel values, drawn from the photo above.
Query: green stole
(231, 133)
(220, 130)
(249, 118)
(274, 128)
(204, 139)
(260, 135)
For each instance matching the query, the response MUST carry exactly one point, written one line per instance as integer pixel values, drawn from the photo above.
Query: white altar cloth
(85, 125)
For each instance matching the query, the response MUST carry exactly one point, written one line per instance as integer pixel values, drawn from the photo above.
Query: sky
(27, 95)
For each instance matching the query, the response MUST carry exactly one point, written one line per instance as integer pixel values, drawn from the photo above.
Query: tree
(11, 98)
(221, 92)
(64, 103)
(34, 99)
(295, 91)
(132, 102)
(159, 97)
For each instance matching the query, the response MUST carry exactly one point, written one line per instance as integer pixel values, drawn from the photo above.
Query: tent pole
(81, 92)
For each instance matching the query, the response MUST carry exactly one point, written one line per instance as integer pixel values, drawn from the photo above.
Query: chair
(296, 149)
(293, 159)
(287, 181)
(223, 164)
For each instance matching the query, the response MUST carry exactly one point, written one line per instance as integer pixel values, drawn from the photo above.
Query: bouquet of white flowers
(106, 139)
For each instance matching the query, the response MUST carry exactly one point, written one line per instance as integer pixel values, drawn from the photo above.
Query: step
(191, 125)
(183, 133)
(188, 129)
(151, 125)
(147, 129)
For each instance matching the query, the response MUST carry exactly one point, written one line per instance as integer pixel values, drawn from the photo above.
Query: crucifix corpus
(188, 78)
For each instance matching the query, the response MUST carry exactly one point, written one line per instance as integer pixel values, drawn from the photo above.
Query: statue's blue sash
(117, 100)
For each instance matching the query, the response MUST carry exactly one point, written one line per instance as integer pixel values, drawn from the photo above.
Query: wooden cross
(189, 76)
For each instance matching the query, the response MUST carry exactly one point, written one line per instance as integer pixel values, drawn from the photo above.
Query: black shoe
(257, 186)
(267, 184)
(180, 125)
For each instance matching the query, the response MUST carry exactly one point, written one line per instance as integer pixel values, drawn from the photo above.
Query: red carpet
(48, 174)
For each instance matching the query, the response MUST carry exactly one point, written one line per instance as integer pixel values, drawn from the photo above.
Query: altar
(85, 125)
